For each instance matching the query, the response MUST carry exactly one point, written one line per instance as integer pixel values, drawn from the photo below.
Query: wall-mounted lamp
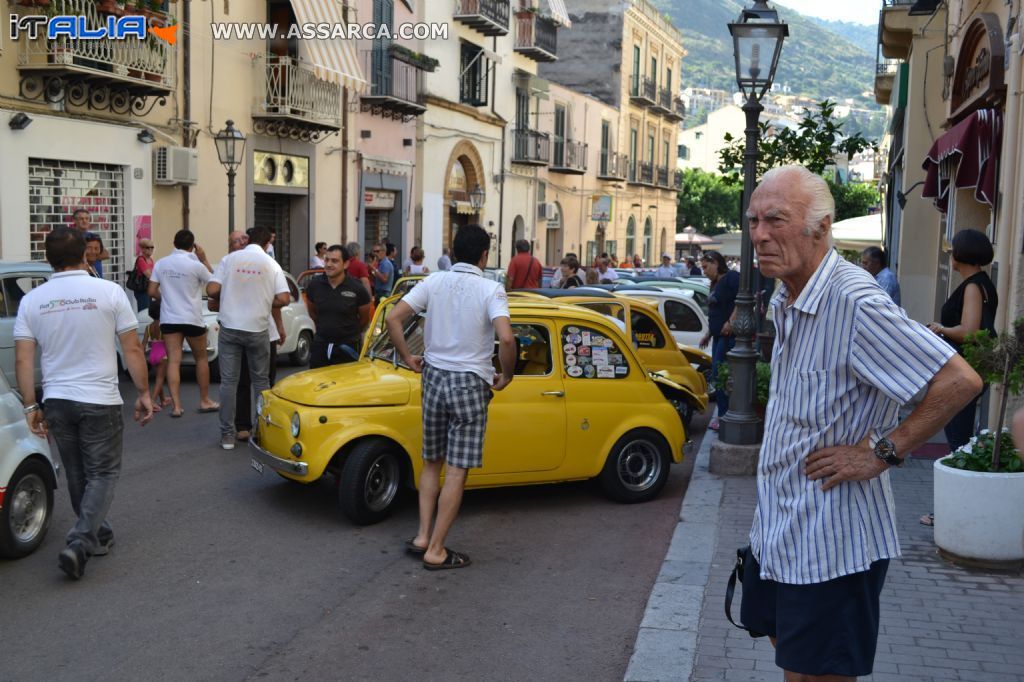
(476, 198)
(20, 121)
(901, 197)
(146, 137)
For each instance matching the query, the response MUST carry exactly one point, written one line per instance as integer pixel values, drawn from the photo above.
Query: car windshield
(383, 349)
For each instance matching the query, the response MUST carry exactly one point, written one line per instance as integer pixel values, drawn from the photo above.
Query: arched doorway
(463, 175)
(553, 243)
(630, 240)
(648, 241)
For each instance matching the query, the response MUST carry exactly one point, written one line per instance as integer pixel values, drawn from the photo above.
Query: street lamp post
(230, 143)
(757, 42)
(476, 198)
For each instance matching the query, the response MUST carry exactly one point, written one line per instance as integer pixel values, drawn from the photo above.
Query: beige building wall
(703, 143)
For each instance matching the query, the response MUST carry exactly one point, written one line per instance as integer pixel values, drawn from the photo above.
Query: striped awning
(333, 60)
(559, 13)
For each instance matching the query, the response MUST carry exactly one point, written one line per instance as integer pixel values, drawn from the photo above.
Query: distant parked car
(28, 477)
(680, 311)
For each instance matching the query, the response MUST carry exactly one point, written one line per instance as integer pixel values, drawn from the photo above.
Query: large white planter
(979, 516)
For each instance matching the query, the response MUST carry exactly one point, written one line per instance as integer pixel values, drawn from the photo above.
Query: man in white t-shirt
(245, 287)
(465, 310)
(605, 273)
(178, 282)
(75, 319)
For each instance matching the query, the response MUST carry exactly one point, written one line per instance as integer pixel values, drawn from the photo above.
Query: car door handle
(557, 394)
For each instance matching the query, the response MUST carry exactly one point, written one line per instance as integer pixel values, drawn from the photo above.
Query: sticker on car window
(591, 355)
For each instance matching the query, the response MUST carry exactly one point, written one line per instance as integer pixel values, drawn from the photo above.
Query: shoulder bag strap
(730, 589)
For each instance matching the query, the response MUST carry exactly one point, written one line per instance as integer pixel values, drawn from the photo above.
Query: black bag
(737, 574)
(137, 281)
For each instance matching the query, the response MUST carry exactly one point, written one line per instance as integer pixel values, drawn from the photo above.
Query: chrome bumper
(287, 466)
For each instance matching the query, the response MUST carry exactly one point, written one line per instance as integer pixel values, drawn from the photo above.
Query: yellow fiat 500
(581, 406)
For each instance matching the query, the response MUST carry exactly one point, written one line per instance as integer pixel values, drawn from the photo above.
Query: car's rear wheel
(28, 507)
(637, 467)
(369, 482)
(300, 356)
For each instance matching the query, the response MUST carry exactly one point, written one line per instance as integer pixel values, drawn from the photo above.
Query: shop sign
(978, 80)
(378, 199)
(601, 207)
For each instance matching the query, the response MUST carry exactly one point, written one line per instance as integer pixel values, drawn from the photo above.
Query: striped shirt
(845, 358)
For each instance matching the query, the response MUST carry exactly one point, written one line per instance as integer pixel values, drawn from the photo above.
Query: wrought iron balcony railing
(677, 179)
(536, 37)
(570, 157)
(614, 166)
(662, 180)
(294, 94)
(396, 87)
(645, 173)
(642, 90)
(490, 17)
(531, 147)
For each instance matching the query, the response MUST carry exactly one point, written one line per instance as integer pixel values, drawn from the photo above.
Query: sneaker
(72, 561)
(227, 441)
(103, 548)
(242, 436)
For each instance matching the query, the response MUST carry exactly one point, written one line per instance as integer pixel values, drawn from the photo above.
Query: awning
(465, 208)
(973, 146)
(333, 60)
(858, 233)
(559, 13)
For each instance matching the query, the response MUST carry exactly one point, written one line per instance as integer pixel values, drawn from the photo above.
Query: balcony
(613, 166)
(536, 37)
(396, 87)
(885, 77)
(642, 91)
(531, 147)
(677, 180)
(677, 112)
(490, 17)
(642, 173)
(662, 179)
(896, 28)
(297, 103)
(570, 157)
(104, 74)
(663, 102)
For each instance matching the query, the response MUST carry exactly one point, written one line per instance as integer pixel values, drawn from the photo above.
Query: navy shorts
(189, 331)
(828, 628)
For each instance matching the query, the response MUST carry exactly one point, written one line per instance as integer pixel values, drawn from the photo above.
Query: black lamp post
(757, 42)
(230, 143)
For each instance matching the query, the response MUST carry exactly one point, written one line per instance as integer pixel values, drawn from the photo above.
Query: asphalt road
(220, 573)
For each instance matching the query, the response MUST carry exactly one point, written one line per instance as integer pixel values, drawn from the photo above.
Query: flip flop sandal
(207, 410)
(453, 560)
(928, 520)
(177, 415)
(414, 549)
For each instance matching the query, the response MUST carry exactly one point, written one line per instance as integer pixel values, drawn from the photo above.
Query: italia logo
(75, 27)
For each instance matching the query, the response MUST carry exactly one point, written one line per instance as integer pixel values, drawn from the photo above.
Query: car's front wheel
(300, 356)
(637, 467)
(369, 482)
(28, 506)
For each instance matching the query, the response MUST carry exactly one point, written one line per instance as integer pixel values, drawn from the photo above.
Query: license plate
(258, 466)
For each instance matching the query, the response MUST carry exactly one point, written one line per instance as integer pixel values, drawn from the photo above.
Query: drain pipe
(186, 19)
(501, 171)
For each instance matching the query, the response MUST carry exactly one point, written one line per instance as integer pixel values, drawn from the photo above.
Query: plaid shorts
(454, 417)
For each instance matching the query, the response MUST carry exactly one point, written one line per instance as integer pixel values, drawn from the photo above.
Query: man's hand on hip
(844, 463)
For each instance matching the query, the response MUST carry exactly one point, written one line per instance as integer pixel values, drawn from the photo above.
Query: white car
(28, 477)
(683, 316)
(298, 328)
(16, 280)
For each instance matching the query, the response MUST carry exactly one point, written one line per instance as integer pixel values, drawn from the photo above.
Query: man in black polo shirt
(340, 307)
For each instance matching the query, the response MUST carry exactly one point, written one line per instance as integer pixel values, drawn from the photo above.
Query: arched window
(630, 239)
(648, 241)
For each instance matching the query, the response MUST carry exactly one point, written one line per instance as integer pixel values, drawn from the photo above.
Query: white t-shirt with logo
(249, 280)
(75, 320)
(182, 279)
(461, 307)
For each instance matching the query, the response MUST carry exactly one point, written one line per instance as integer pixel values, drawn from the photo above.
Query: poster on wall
(601, 207)
(143, 230)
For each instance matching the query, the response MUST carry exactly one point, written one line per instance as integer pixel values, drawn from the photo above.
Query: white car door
(13, 288)
(685, 320)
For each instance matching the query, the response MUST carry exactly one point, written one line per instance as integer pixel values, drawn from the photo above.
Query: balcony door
(605, 144)
(559, 159)
(282, 52)
(383, 15)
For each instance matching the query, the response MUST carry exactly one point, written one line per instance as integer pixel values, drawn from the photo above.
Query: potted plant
(413, 58)
(763, 386)
(979, 489)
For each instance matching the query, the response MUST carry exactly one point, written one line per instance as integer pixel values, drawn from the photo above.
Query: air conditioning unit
(550, 211)
(175, 166)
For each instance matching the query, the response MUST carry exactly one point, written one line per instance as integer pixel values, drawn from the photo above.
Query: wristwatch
(886, 451)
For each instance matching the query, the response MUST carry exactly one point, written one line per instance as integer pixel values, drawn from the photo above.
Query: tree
(708, 203)
(815, 143)
(999, 360)
(854, 199)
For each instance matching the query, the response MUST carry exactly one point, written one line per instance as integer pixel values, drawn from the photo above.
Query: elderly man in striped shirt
(845, 359)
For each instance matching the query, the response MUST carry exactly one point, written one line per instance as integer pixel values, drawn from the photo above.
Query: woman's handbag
(737, 575)
(137, 281)
(157, 352)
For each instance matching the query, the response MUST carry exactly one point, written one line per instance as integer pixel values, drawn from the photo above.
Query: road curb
(666, 644)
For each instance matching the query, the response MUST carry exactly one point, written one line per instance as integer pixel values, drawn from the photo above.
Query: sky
(857, 11)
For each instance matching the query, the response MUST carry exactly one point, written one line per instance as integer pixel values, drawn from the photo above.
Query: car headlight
(259, 404)
(295, 425)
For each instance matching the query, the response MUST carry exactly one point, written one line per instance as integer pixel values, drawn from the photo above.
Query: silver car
(28, 477)
(16, 280)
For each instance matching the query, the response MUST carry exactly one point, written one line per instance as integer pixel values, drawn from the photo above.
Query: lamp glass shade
(230, 143)
(476, 198)
(757, 43)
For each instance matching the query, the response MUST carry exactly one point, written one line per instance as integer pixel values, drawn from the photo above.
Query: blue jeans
(720, 345)
(89, 438)
(232, 344)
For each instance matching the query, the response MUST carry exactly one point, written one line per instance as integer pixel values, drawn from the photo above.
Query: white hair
(819, 198)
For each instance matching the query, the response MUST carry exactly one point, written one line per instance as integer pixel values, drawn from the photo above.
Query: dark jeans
(243, 406)
(961, 427)
(720, 345)
(323, 353)
(141, 300)
(89, 440)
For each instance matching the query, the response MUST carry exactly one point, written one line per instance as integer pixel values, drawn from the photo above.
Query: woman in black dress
(972, 306)
(570, 273)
